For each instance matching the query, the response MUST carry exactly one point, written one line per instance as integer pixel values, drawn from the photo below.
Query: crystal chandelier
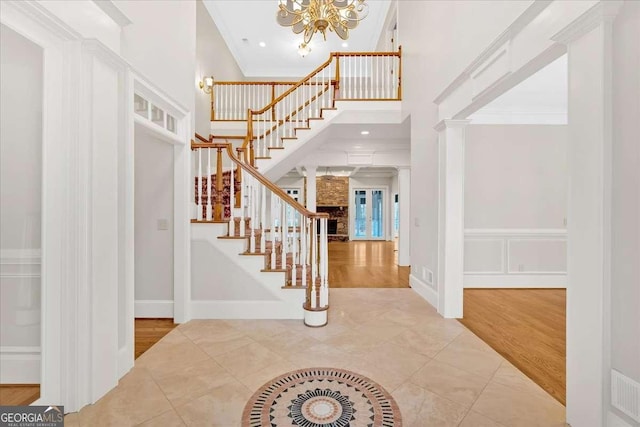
(312, 16)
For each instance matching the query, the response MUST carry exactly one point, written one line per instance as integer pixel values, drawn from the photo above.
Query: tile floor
(203, 372)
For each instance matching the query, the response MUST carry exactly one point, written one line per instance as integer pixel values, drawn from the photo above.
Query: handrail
(201, 138)
(271, 186)
(293, 88)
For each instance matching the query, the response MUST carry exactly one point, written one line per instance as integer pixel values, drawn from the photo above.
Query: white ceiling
(381, 137)
(255, 21)
(535, 100)
(350, 171)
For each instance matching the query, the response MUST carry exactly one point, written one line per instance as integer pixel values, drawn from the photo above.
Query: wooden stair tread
(209, 221)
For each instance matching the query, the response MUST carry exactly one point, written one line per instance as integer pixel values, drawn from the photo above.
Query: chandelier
(311, 16)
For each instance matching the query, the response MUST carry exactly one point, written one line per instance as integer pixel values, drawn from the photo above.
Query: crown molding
(603, 12)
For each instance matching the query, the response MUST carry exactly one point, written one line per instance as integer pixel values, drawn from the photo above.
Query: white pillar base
(315, 318)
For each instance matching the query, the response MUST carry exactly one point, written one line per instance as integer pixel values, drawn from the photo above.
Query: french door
(368, 218)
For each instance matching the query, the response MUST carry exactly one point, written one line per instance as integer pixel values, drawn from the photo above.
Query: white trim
(19, 365)
(114, 12)
(495, 117)
(603, 11)
(613, 420)
(548, 280)
(518, 232)
(238, 309)
(424, 290)
(154, 309)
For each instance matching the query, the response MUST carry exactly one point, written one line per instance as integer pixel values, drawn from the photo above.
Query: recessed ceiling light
(357, 146)
(364, 132)
(345, 44)
(262, 44)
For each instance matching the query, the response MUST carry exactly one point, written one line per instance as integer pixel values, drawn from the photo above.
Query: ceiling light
(311, 16)
(364, 132)
(357, 146)
(262, 44)
(304, 49)
(345, 44)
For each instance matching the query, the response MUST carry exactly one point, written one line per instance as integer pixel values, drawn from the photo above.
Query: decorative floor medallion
(321, 397)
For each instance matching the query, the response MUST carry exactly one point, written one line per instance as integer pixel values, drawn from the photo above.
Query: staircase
(256, 252)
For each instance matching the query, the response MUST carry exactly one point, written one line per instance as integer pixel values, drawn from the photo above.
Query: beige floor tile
(168, 419)
(171, 354)
(221, 406)
(247, 360)
(322, 355)
(257, 379)
(427, 345)
(516, 408)
(219, 338)
(400, 361)
(256, 328)
(421, 408)
(136, 399)
(466, 355)
(355, 342)
(72, 420)
(450, 382)
(473, 419)
(287, 343)
(334, 327)
(381, 329)
(447, 329)
(409, 316)
(192, 381)
(510, 376)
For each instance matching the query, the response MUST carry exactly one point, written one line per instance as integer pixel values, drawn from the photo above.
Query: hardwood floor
(147, 333)
(150, 331)
(18, 394)
(365, 264)
(527, 327)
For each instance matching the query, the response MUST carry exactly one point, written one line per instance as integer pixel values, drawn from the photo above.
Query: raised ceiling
(245, 23)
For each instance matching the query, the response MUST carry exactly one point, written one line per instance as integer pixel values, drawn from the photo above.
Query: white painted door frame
(585, 28)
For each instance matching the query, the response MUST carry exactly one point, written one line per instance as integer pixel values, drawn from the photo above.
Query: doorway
(368, 219)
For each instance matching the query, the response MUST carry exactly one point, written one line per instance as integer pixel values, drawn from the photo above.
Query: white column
(404, 208)
(451, 138)
(589, 47)
(311, 187)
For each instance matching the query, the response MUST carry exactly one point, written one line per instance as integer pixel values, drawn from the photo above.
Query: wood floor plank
(366, 264)
(527, 327)
(18, 394)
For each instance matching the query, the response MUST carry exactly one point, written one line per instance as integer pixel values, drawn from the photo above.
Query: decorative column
(311, 187)
(589, 46)
(451, 137)
(404, 206)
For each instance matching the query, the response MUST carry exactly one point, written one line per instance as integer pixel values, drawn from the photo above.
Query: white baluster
(263, 218)
(199, 189)
(232, 202)
(274, 241)
(284, 227)
(324, 259)
(303, 250)
(243, 194)
(314, 261)
(295, 255)
(209, 185)
(252, 216)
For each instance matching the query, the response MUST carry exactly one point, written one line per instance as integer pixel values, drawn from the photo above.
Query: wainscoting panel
(515, 258)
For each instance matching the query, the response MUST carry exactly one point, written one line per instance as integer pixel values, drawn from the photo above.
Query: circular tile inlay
(321, 397)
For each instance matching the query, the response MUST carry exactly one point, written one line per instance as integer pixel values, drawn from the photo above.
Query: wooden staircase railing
(291, 238)
(345, 76)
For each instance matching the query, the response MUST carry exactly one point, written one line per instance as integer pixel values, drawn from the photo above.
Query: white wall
(515, 176)
(160, 43)
(153, 202)
(21, 78)
(213, 58)
(625, 288)
(429, 31)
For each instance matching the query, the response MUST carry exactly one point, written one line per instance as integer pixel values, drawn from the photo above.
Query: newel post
(337, 86)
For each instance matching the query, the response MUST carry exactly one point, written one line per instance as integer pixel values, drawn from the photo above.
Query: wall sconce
(207, 84)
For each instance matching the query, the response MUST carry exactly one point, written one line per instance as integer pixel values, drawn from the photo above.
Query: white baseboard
(19, 365)
(515, 280)
(246, 309)
(424, 290)
(125, 361)
(614, 420)
(153, 309)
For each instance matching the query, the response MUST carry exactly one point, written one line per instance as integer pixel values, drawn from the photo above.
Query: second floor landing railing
(355, 76)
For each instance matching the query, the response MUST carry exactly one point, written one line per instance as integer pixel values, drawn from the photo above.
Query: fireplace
(332, 226)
